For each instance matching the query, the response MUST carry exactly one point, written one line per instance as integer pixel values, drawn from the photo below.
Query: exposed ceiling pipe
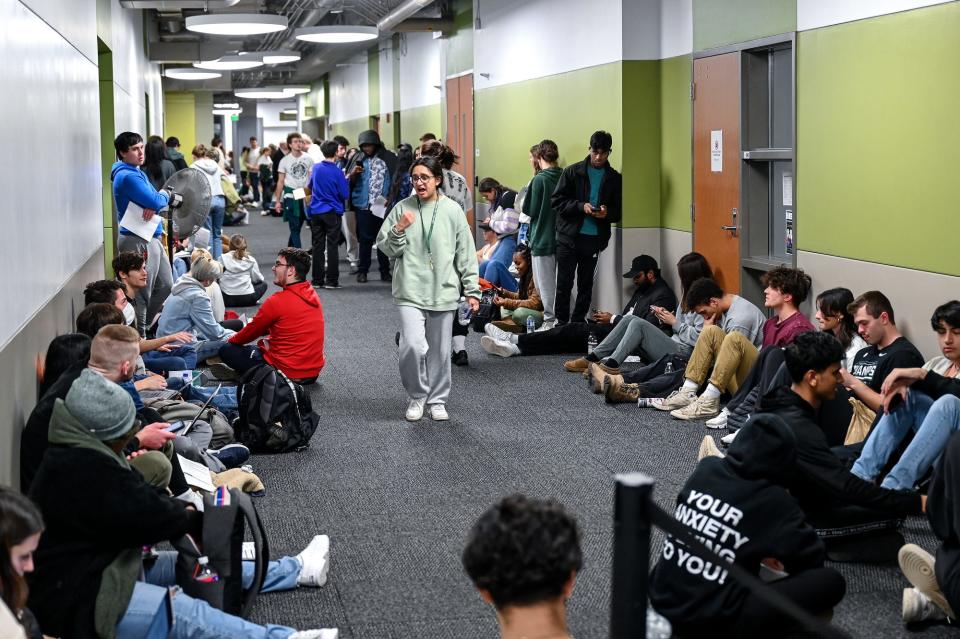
(310, 19)
(401, 13)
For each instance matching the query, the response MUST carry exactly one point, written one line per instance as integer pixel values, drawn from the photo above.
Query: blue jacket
(328, 189)
(131, 184)
(189, 309)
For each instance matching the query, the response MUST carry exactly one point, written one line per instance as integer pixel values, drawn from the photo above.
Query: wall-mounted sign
(716, 151)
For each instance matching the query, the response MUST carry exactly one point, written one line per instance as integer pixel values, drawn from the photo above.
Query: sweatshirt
(292, 320)
(745, 318)
(543, 217)
(239, 276)
(212, 171)
(739, 506)
(329, 189)
(130, 184)
(777, 333)
(188, 308)
(431, 279)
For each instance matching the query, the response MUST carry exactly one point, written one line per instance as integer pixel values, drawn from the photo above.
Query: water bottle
(204, 573)
(464, 313)
(524, 231)
(657, 626)
(591, 343)
(668, 368)
(530, 324)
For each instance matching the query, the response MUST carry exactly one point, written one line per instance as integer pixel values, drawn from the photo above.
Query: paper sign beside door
(716, 151)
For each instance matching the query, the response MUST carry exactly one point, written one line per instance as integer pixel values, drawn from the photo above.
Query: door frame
(768, 41)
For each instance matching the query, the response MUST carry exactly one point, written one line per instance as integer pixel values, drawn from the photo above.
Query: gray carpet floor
(397, 499)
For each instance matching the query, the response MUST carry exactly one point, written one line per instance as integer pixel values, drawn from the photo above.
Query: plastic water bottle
(668, 368)
(524, 231)
(591, 343)
(204, 573)
(530, 324)
(657, 626)
(464, 313)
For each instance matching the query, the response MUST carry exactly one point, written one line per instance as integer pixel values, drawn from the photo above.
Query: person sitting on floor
(743, 498)
(502, 217)
(292, 320)
(525, 302)
(89, 560)
(242, 282)
(523, 556)
(495, 257)
(927, 405)
(188, 309)
(20, 529)
(651, 291)
(856, 518)
(726, 349)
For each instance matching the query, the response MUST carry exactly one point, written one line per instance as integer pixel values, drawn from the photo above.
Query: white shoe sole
(718, 422)
(441, 417)
(495, 347)
(414, 416)
(917, 566)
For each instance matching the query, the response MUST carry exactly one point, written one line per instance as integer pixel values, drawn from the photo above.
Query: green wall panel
(877, 137)
(509, 119)
(720, 22)
(373, 80)
(676, 130)
(460, 44)
(640, 149)
(417, 121)
(351, 129)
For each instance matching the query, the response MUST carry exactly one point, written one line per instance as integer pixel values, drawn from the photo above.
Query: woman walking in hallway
(432, 244)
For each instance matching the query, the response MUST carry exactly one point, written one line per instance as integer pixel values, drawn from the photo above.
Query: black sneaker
(362, 278)
(334, 286)
(231, 455)
(316, 284)
(460, 358)
(386, 277)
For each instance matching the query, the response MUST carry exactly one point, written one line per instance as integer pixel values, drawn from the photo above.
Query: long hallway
(397, 499)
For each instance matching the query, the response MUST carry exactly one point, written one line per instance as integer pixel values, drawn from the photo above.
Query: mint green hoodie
(452, 251)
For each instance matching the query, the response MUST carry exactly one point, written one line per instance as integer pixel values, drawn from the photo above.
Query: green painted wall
(676, 129)
(509, 119)
(180, 118)
(640, 148)
(373, 80)
(877, 137)
(720, 22)
(317, 98)
(417, 121)
(351, 129)
(460, 43)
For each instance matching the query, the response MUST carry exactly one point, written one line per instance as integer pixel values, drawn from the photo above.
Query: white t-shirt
(297, 170)
(455, 187)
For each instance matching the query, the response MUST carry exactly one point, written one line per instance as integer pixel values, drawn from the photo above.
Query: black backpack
(487, 312)
(212, 570)
(276, 414)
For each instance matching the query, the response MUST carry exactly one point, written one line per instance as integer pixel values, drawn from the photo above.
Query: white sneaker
(321, 633)
(918, 567)
(546, 326)
(678, 399)
(918, 607)
(726, 440)
(497, 333)
(708, 448)
(498, 347)
(248, 551)
(314, 562)
(720, 421)
(415, 410)
(438, 413)
(701, 407)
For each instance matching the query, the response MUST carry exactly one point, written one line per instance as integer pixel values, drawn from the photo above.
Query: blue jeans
(215, 223)
(225, 401)
(933, 423)
(499, 275)
(209, 348)
(182, 358)
(195, 619)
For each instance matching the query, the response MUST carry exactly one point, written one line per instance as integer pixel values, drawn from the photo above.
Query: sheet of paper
(716, 151)
(197, 475)
(379, 207)
(788, 189)
(299, 194)
(133, 221)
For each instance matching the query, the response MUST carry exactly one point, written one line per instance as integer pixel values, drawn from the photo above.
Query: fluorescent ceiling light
(188, 73)
(279, 56)
(227, 111)
(337, 34)
(289, 111)
(231, 63)
(237, 23)
(226, 105)
(295, 89)
(262, 93)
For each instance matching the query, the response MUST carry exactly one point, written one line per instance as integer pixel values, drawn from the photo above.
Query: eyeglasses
(279, 263)
(422, 178)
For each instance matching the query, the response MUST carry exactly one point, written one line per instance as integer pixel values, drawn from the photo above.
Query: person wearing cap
(99, 515)
(189, 309)
(588, 199)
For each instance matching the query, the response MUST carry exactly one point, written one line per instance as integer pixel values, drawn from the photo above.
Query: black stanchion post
(631, 556)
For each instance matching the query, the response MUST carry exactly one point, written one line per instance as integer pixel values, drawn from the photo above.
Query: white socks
(712, 391)
(513, 338)
(459, 343)
(689, 384)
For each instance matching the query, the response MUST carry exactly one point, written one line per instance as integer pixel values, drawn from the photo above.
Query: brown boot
(598, 376)
(578, 365)
(616, 391)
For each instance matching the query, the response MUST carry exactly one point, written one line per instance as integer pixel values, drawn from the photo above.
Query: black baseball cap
(641, 264)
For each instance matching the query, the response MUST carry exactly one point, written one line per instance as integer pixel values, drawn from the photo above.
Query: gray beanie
(104, 408)
(204, 268)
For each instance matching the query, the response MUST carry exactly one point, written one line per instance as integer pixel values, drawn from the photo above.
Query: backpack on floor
(276, 414)
(212, 570)
(173, 410)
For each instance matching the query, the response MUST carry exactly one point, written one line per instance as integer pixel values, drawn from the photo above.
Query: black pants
(250, 299)
(325, 238)
(580, 261)
(762, 374)
(255, 185)
(817, 591)
(368, 226)
(565, 338)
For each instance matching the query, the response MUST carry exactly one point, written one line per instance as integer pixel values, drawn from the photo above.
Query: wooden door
(716, 165)
(459, 131)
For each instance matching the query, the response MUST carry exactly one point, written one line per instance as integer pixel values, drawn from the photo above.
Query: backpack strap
(259, 534)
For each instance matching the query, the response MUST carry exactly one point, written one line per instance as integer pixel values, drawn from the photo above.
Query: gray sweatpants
(632, 333)
(151, 297)
(425, 353)
(349, 226)
(545, 278)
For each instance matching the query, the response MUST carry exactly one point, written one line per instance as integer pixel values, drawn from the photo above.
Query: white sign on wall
(716, 151)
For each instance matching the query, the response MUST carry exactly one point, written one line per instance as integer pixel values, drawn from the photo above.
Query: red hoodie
(293, 322)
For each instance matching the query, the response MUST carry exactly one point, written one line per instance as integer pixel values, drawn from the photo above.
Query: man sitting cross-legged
(651, 291)
(727, 346)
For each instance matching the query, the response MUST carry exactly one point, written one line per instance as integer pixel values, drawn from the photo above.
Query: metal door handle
(733, 227)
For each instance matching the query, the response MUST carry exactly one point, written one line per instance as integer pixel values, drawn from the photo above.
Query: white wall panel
(75, 20)
(55, 217)
(387, 96)
(641, 29)
(812, 14)
(349, 94)
(536, 38)
(676, 28)
(420, 73)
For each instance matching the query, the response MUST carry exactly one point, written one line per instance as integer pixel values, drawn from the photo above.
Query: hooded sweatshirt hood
(120, 166)
(66, 430)
(765, 448)
(206, 165)
(304, 291)
(369, 137)
(186, 285)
